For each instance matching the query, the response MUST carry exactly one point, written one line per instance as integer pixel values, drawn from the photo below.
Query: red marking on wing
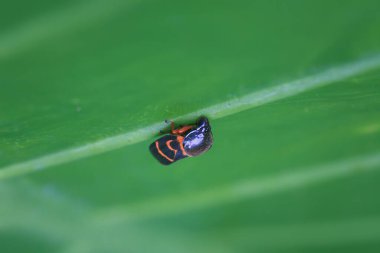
(180, 140)
(162, 153)
(170, 147)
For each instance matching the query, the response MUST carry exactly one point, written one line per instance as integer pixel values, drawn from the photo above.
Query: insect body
(187, 141)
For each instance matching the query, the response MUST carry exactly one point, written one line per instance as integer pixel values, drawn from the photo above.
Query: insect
(186, 141)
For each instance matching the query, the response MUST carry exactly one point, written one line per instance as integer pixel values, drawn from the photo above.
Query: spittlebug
(186, 141)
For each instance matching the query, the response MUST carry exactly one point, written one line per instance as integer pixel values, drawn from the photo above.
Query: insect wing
(167, 149)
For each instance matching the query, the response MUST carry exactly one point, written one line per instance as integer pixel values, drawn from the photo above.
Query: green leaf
(291, 89)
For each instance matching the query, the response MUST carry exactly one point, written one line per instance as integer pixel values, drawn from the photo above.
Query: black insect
(186, 141)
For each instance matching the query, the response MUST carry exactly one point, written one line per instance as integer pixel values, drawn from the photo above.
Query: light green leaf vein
(238, 191)
(224, 109)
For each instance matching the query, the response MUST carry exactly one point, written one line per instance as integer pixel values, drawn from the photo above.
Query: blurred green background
(300, 174)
